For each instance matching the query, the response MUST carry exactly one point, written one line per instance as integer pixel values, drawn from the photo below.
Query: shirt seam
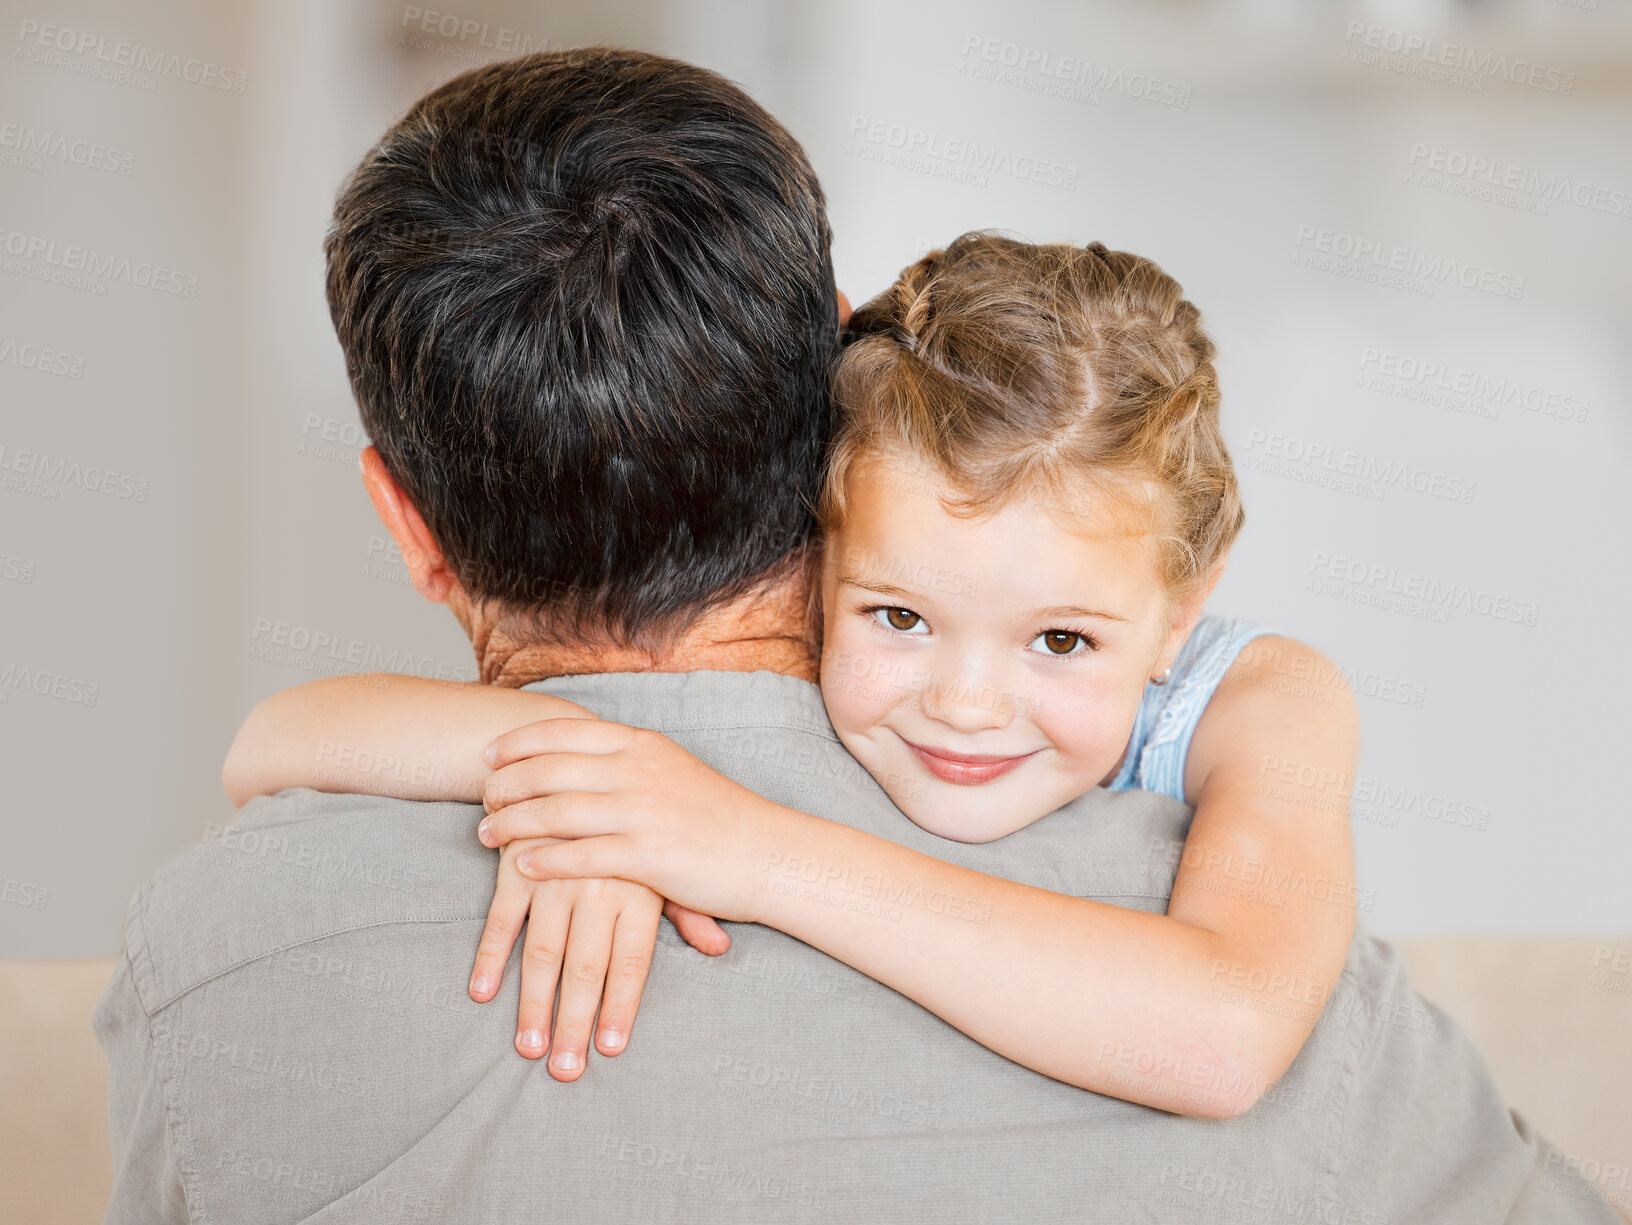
(175, 1122)
(172, 999)
(169, 1000)
(1353, 1042)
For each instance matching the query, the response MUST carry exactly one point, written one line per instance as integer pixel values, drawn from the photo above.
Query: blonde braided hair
(1010, 370)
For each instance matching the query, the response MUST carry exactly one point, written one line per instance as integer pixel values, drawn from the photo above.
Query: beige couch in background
(1552, 1016)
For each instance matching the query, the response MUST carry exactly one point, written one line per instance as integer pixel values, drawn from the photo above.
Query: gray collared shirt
(289, 1039)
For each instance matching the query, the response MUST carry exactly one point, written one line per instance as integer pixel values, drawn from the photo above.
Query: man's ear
(424, 561)
(844, 308)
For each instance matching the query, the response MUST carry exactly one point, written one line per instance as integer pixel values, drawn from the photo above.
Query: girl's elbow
(1265, 1060)
(238, 776)
(235, 779)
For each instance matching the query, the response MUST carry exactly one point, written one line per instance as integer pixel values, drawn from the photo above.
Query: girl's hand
(633, 804)
(602, 931)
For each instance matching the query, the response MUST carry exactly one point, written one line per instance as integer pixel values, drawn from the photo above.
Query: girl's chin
(945, 821)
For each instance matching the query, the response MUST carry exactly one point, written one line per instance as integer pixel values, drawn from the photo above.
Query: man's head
(587, 306)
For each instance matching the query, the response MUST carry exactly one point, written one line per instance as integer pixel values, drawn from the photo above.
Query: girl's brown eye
(902, 618)
(1061, 642)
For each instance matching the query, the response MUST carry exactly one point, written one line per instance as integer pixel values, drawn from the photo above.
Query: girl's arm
(380, 734)
(387, 734)
(1197, 1011)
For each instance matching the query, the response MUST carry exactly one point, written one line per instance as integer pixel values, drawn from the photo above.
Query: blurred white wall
(1442, 413)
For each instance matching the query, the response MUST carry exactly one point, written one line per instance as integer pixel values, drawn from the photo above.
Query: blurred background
(1408, 225)
(1409, 228)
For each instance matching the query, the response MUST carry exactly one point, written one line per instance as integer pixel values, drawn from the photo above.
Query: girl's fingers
(583, 979)
(698, 930)
(558, 736)
(541, 954)
(549, 774)
(570, 814)
(608, 855)
(633, 939)
(504, 915)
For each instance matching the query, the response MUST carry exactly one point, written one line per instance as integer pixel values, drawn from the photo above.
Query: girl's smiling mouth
(966, 769)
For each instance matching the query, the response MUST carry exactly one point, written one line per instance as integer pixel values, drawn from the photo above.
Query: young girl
(1027, 504)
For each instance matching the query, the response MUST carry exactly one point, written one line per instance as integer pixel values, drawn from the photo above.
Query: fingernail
(566, 1061)
(491, 753)
(481, 986)
(611, 1038)
(523, 862)
(532, 1039)
(481, 830)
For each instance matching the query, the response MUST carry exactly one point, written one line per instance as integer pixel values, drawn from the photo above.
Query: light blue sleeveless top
(1168, 713)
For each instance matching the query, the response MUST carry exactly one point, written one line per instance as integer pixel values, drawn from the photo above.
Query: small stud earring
(1166, 676)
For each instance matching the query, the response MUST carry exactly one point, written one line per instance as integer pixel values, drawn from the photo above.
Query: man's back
(290, 1040)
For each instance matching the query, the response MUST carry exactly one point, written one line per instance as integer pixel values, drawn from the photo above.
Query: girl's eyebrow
(1072, 610)
(867, 584)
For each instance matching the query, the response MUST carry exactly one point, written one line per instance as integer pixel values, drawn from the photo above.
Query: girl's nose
(968, 703)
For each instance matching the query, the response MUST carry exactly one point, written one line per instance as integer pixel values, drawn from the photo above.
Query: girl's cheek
(1082, 725)
(860, 683)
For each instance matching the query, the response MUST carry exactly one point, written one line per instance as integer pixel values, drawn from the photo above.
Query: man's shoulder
(297, 867)
(771, 734)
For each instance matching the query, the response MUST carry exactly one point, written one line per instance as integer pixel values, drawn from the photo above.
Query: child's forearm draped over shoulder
(1196, 1011)
(403, 736)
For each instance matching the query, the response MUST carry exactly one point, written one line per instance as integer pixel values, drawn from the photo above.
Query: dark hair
(587, 305)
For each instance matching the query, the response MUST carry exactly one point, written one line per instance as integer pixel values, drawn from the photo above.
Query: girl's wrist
(772, 849)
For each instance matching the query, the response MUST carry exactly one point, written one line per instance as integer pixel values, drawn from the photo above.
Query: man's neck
(763, 632)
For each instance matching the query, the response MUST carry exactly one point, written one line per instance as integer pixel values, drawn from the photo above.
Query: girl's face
(986, 670)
